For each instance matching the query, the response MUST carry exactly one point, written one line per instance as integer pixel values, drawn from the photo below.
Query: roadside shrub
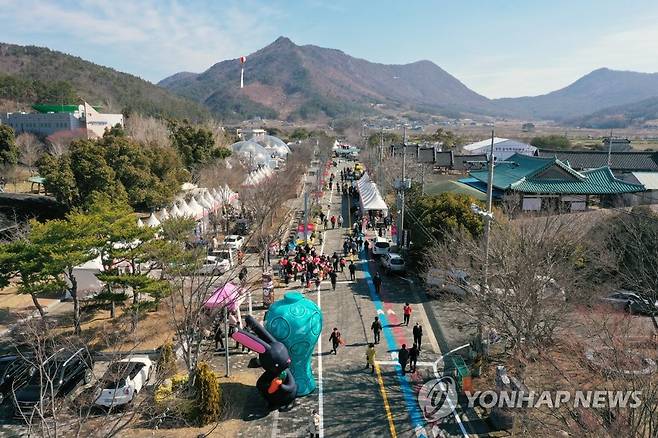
(208, 394)
(167, 360)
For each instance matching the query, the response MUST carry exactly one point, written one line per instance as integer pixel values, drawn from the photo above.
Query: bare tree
(31, 149)
(148, 130)
(532, 278)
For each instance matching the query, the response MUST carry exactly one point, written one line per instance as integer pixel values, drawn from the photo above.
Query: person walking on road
(333, 222)
(340, 221)
(332, 277)
(376, 328)
(403, 358)
(342, 263)
(352, 269)
(366, 246)
(370, 357)
(336, 340)
(219, 336)
(314, 425)
(413, 358)
(418, 335)
(334, 261)
(407, 313)
(377, 281)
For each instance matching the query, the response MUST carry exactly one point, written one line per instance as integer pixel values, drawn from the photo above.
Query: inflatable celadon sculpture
(296, 322)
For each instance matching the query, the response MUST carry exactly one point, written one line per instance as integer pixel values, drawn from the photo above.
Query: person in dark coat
(335, 339)
(332, 277)
(418, 335)
(352, 269)
(403, 358)
(413, 358)
(377, 281)
(376, 328)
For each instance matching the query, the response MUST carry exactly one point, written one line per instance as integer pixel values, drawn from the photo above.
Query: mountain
(600, 89)
(621, 116)
(300, 82)
(31, 74)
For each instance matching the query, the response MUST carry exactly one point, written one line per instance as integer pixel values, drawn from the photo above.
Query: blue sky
(498, 48)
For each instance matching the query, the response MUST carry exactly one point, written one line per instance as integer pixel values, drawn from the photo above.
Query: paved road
(352, 401)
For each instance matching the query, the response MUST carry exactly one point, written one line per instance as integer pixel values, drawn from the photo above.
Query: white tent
(140, 224)
(185, 210)
(164, 214)
(175, 211)
(369, 196)
(503, 148)
(153, 221)
(85, 275)
(203, 202)
(196, 209)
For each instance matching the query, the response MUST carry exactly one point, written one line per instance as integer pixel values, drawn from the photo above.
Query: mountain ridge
(26, 69)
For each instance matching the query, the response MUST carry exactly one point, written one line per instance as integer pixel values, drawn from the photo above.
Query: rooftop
(642, 161)
(522, 173)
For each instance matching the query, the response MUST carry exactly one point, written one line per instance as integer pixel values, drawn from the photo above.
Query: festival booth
(230, 297)
(369, 196)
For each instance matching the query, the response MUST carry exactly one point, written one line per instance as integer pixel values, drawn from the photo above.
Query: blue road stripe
(413, 410)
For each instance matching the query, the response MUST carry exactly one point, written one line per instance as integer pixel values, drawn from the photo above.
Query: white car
(380, 247)
(224, 259)
(233, 241)
(393, 262)
(212, 266)
(123, 380)
(454, 282)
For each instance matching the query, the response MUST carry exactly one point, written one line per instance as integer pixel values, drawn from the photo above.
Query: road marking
(382, 389)
(320, 388)
(275, 427)
(390, 312)
(415, 415)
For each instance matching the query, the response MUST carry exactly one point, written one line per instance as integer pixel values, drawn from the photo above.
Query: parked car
(210, 266)
(241, 227)
(123, 380)
(631, 302)
(14, 371)
(454, 282)
(393, 262)
(233, 241)
(225, 259)
(381, 247)
(59, 375)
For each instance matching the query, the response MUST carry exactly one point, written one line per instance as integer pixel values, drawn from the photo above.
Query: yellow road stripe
(391, 426)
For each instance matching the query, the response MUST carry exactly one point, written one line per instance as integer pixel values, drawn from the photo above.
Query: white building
(56, 118)
(252, 134)
(503, 148)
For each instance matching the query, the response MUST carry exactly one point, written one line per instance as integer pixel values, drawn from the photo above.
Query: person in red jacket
(407, 313)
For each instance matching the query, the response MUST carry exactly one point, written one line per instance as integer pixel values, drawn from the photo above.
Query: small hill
(302, 82)
(600, 89)
(30, 74)
(622, 116)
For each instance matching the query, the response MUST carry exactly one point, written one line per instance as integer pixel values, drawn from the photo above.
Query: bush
(167, 360)
(208, 394)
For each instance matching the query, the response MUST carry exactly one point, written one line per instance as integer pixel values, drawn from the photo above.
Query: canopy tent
(164, 214)
(175, 211)
(225, 195)
(369, 196)
(228, 296)
(257, 176)
(140, 224)
(203, 202)
(185, 210)
(153, 221)
(196, 209)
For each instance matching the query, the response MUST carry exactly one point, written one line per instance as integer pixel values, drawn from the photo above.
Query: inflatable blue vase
(296, 322)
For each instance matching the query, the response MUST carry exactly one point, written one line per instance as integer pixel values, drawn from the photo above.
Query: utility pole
(610, 149)
(381, 157)
(402, 189)
(226, 353)
(489, 215)
(306, 217)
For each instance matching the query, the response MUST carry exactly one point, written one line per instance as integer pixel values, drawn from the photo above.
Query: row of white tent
(199, 206)
(369, 195)
(257, 176)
